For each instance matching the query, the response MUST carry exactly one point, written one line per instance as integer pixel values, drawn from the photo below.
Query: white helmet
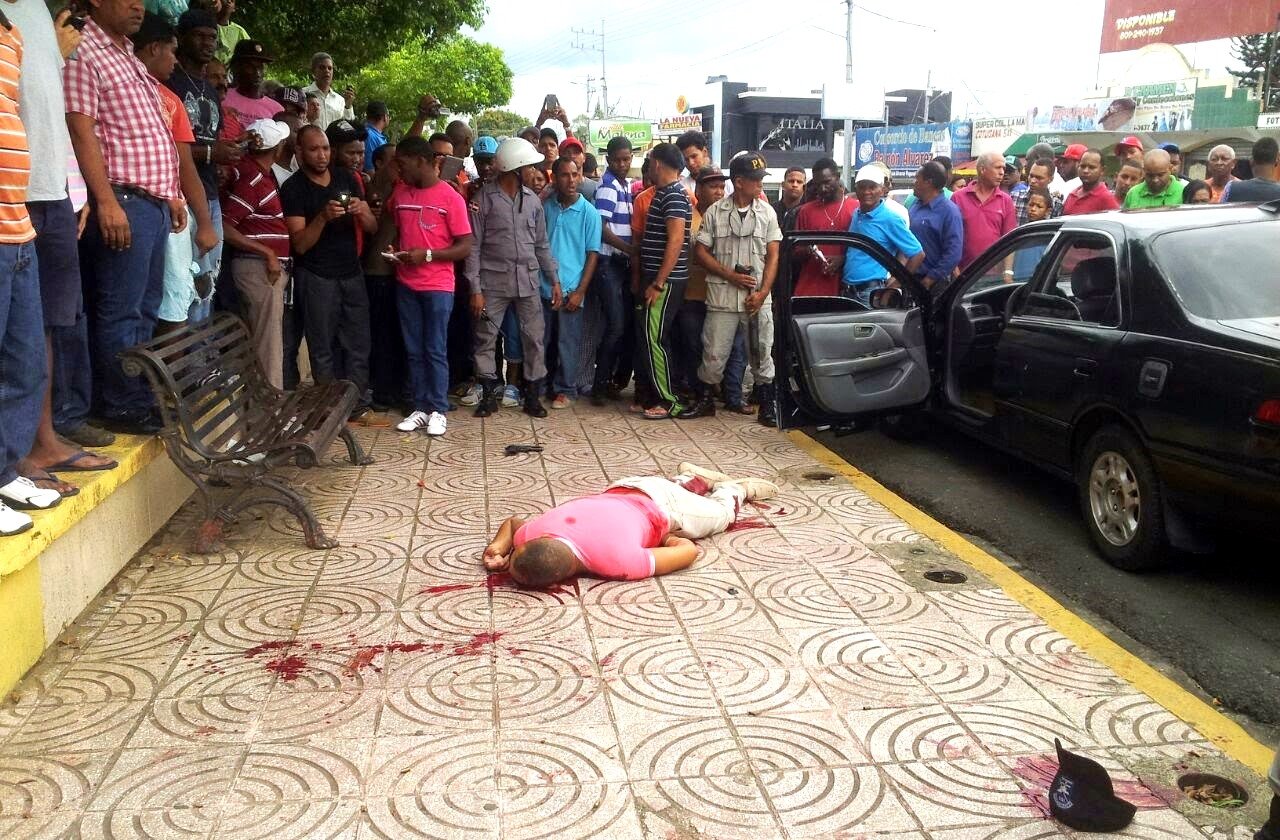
(515, 152)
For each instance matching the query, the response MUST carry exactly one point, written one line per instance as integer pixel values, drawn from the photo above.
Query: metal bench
(226, 425)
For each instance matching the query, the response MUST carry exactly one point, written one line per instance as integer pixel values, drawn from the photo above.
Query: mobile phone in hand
(551, 103)
(450, 168)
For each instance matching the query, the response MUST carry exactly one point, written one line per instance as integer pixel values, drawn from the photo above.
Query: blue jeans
(566, 328)
(424, 322)
(861, 292)
(209, 264)
(22, 354)
(735, 368)
(611, 279)
(124, 289)
(512, 349)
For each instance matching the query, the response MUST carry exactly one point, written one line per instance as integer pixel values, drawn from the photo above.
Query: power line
(604, 79)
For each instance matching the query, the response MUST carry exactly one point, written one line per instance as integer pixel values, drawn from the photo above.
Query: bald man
(1222, 162)
(1158, 188)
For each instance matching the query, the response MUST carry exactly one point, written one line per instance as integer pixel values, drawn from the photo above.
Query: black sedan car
(1134, 353)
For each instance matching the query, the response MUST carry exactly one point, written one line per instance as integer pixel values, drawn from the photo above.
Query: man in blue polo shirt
(573, 228)
(863, 274)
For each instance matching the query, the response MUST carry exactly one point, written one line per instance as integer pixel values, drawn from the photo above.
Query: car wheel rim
(1115, 499)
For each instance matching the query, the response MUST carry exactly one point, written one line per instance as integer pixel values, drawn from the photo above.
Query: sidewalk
(804, 680)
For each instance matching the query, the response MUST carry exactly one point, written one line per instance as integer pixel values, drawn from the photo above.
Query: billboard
(1164, 106)
(905, 148)
(679, 123)
(1132, 24)
(639, 132)
(995, 135)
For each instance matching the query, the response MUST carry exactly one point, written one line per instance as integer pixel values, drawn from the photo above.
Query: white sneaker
(472, 396)
(756, 488)
(12, 521)
(511, 396)
(413, 422)
(709, 476)
(22, 493)
(436, 424)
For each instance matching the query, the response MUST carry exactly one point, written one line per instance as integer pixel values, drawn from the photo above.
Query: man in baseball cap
(572, 148)
(1068, 165)
(1130, 148)
(482, 154)
(292, 101)
(863, 274)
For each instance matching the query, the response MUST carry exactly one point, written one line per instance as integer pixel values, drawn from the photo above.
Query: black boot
(704, 405)
(1271, 830)
(532, 402)
(768, 415)
(490, 398)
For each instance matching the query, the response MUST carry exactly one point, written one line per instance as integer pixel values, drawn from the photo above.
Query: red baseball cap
(1075, 151)
(571, 142)
(1130, 141)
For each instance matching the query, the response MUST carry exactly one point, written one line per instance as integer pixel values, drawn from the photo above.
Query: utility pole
(928, 91)
(581, 45)
(848, 78)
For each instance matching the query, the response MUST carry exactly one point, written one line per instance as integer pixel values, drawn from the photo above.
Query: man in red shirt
(253, 221)
(831, 210)
(130, 165)
(1092, 196)
(988, 211)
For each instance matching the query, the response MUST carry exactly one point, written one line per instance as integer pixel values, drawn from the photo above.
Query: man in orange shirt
(22, 348)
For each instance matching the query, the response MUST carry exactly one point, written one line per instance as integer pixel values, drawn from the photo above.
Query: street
(1210, 616)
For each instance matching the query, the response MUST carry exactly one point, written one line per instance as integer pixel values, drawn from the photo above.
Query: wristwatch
(428, 255)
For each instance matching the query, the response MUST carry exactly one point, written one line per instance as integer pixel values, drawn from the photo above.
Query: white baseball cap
(870, 172)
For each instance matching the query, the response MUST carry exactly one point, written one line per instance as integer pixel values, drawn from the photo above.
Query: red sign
(1131, 24)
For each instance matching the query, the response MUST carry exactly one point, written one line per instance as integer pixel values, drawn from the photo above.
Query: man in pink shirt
(988, 211)
(246, 103)
(638, 528)
(1092, 196)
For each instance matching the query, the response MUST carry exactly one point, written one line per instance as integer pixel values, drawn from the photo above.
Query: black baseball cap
(750, 165)
(291, 96)
(1081, 795)
(197, 19)
(344, 131)
(250, 49)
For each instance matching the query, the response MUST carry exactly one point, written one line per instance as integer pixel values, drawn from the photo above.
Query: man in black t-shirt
(1265, 183)
(197, 41)
(664, 272)
(322, 208)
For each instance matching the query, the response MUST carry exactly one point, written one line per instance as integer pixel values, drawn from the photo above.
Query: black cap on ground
(1081, 795)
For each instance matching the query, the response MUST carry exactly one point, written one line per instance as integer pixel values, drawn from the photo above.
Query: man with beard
(246, 103)
(1069, 166)
(322, 208)
(1092, 196)
(831, 210)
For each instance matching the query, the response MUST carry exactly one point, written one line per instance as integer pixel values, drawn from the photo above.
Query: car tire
(907, 426)
(1122, 501)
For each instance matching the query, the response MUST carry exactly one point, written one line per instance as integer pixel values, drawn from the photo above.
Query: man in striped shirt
(130, 165)
(253, 222)
(607, 304)
(22, 348)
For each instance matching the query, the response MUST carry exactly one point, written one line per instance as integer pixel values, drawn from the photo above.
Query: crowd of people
(176, 179)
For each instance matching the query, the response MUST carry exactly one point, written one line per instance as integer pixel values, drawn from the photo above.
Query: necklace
(831, 222)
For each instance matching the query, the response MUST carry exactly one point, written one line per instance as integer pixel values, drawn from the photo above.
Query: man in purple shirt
(988, 211)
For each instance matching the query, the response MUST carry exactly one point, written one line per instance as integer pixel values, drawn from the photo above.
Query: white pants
(690, 515)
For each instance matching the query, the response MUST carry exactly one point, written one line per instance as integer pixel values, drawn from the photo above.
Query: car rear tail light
(1268, 413)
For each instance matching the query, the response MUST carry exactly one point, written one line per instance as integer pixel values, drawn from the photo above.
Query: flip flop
(72, 464)
(656, 413)
(46, 481)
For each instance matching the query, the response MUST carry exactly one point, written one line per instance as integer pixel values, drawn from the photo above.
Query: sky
(662, 49)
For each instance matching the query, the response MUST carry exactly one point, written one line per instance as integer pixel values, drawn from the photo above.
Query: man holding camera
(738, 246)
(322, 207)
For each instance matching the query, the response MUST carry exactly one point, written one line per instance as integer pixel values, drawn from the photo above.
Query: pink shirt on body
(239, 111)
(428, 217)
(612, 533)
(984, 221)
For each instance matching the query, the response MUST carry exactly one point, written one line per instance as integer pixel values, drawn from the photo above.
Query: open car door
(839, 361)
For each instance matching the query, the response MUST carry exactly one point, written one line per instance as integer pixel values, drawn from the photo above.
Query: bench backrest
(207, 383)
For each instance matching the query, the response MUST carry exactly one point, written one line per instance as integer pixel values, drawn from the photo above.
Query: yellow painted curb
(1225, 733)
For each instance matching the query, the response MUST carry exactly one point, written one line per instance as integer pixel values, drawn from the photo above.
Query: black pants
(461, 347)
(688, 344)
(624, 359)
(387, 373)
(1271, 829)
(337, 314)
(655, 349)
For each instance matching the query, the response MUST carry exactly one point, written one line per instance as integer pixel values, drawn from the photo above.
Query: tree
(465, 75)
(1252, 51)
(579, 125)
(496, 123)
(357, 33)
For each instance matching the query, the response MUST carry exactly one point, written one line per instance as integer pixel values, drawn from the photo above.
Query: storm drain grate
(1214, 791)
(945, 576)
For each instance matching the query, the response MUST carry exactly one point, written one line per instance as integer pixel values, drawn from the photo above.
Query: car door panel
(863, 361)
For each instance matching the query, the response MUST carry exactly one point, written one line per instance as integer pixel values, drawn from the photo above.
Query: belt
(137, 192)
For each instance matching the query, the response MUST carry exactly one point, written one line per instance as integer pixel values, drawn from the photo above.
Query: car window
(1224, 273)
(1081, 285)
(1020, 257)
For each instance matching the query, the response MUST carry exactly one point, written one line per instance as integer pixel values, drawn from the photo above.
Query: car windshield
(1225, 272)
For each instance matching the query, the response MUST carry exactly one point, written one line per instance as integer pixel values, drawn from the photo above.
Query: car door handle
(1086, 367)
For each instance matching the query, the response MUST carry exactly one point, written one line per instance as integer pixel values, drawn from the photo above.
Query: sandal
(47, 481)
(656, 413)
(77, 463)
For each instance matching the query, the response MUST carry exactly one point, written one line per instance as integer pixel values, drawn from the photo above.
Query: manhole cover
(945, 576)
(818, 475)
(1211, 790)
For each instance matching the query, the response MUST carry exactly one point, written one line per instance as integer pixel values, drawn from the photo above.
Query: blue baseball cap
(484, 147)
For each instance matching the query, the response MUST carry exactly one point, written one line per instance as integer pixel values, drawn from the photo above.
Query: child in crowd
(639, 527)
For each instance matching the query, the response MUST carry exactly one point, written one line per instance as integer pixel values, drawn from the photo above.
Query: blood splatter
(204, 730)
(749, 524)
(497, 579)
(477, 644)
(446, 587)
(264, 647)
(1038, 772)
(564, 587)
(288, 667)
(606, 662)
(363, 658)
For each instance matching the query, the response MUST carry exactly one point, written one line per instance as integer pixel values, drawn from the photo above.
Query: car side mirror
(886, 299)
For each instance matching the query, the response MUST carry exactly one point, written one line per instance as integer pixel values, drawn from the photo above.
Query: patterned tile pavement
(803, 680)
